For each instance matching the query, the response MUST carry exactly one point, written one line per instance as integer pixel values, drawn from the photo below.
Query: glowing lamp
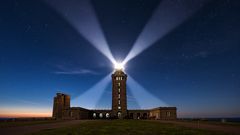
(119, 66)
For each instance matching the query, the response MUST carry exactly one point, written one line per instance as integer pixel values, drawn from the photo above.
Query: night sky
(194, 66)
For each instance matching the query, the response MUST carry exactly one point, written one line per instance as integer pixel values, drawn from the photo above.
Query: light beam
(81, 15)
(145, 99)
(168, 15)
(90, 98)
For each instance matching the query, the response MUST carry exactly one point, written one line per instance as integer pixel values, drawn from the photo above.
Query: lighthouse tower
(119, 98)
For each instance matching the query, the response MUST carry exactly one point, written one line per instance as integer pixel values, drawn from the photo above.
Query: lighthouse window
(119, 102)
(119, 84)
(118, 95)
(119, 90)
(119, 107)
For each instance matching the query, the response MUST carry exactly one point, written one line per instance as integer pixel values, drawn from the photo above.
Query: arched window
(157, 115)
(94, 115)
(168, 114)
(100, 115)
(119, 114)
(107, 115)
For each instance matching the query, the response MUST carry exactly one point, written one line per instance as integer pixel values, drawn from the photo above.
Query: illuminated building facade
(62, 109)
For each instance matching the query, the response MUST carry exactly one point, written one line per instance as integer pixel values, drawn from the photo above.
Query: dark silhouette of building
(62, 109)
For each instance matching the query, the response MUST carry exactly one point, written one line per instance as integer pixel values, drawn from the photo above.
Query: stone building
(62, 109)
(119, 94)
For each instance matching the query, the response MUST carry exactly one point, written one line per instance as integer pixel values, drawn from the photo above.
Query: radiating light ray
(131, 101)
(168, 15)
(81, 15)
(145, 99)
(91, 96)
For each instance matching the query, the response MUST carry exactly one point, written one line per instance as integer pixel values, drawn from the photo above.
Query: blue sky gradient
(194, 67)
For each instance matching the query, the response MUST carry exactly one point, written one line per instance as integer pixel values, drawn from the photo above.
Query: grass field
(25, 123)
(125, 127)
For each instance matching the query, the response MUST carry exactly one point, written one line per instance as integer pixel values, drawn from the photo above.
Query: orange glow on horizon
(19, 112)
(24, 115)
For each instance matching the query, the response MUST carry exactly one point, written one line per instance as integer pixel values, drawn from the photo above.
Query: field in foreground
(126, 127)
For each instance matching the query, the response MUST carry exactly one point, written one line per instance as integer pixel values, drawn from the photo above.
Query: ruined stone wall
(61, 102)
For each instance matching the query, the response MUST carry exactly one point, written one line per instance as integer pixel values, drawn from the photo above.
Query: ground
(121, 127)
